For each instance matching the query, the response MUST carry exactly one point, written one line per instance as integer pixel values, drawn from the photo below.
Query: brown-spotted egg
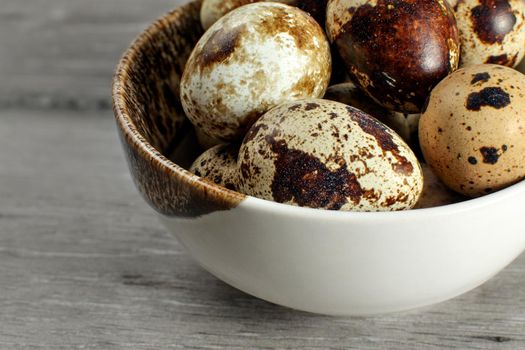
(406, 125)
(472, 133)
(491, 31)
(395, 50)
(218, 164)
(254, 58)
(324, 154)
(212, 10)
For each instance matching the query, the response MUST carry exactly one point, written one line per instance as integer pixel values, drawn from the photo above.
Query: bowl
(338, 263)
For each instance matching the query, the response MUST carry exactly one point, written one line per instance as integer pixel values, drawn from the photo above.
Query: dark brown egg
(395, 50)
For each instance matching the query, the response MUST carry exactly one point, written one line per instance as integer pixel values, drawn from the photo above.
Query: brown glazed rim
(130, 132)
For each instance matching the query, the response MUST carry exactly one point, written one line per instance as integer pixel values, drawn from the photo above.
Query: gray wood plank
(61, 53)
(84, 264)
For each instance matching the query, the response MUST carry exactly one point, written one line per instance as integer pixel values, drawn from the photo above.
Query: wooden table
(84, 264)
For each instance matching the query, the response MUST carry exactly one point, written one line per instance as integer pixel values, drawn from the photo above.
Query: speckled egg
(212, 10)
(406, 125)
(435, 193)
(491, 31)
(218, 164)
(395, 50)
(472, 133)
(252, 59)
(324, 154)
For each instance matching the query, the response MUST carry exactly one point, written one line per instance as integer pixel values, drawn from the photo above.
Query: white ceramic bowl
(338, 263)
(357, 263)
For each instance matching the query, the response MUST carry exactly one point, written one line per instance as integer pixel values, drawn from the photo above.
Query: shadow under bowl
(339, 263)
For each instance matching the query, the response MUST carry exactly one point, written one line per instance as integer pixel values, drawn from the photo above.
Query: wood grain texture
(84, 264)
(62, 53)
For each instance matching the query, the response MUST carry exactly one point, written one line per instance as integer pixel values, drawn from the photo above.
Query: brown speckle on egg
(490, 155)
(491, 31)
(220, 45)
(503, 60)
(219, 165)
(493, 96)
(492, 20)
(480, 77)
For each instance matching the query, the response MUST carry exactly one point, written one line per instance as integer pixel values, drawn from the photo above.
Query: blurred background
(84, 264)
(60, 54)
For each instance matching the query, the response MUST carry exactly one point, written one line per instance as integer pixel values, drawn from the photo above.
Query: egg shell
(472, 133)
(406, 125)
(212, 10)
(395, 50)
(325, 154)
(491, 31)
(252, 59)
(219, 165)
(435, 193)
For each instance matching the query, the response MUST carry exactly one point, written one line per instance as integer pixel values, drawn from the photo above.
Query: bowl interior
(151, 122)
(153, 77)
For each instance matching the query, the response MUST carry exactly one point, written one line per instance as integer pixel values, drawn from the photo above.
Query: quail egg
(324, 154)
(212, 10)
(395, 51)
(218, 164)
(254, 58)
(491, 31)
(406, 125)
(472, 133)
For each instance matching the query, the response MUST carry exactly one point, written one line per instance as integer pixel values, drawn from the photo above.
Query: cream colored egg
(325, 154)
(491, 31)
(252, 59)
(472, 133)
(406, 125)
(218, 164)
